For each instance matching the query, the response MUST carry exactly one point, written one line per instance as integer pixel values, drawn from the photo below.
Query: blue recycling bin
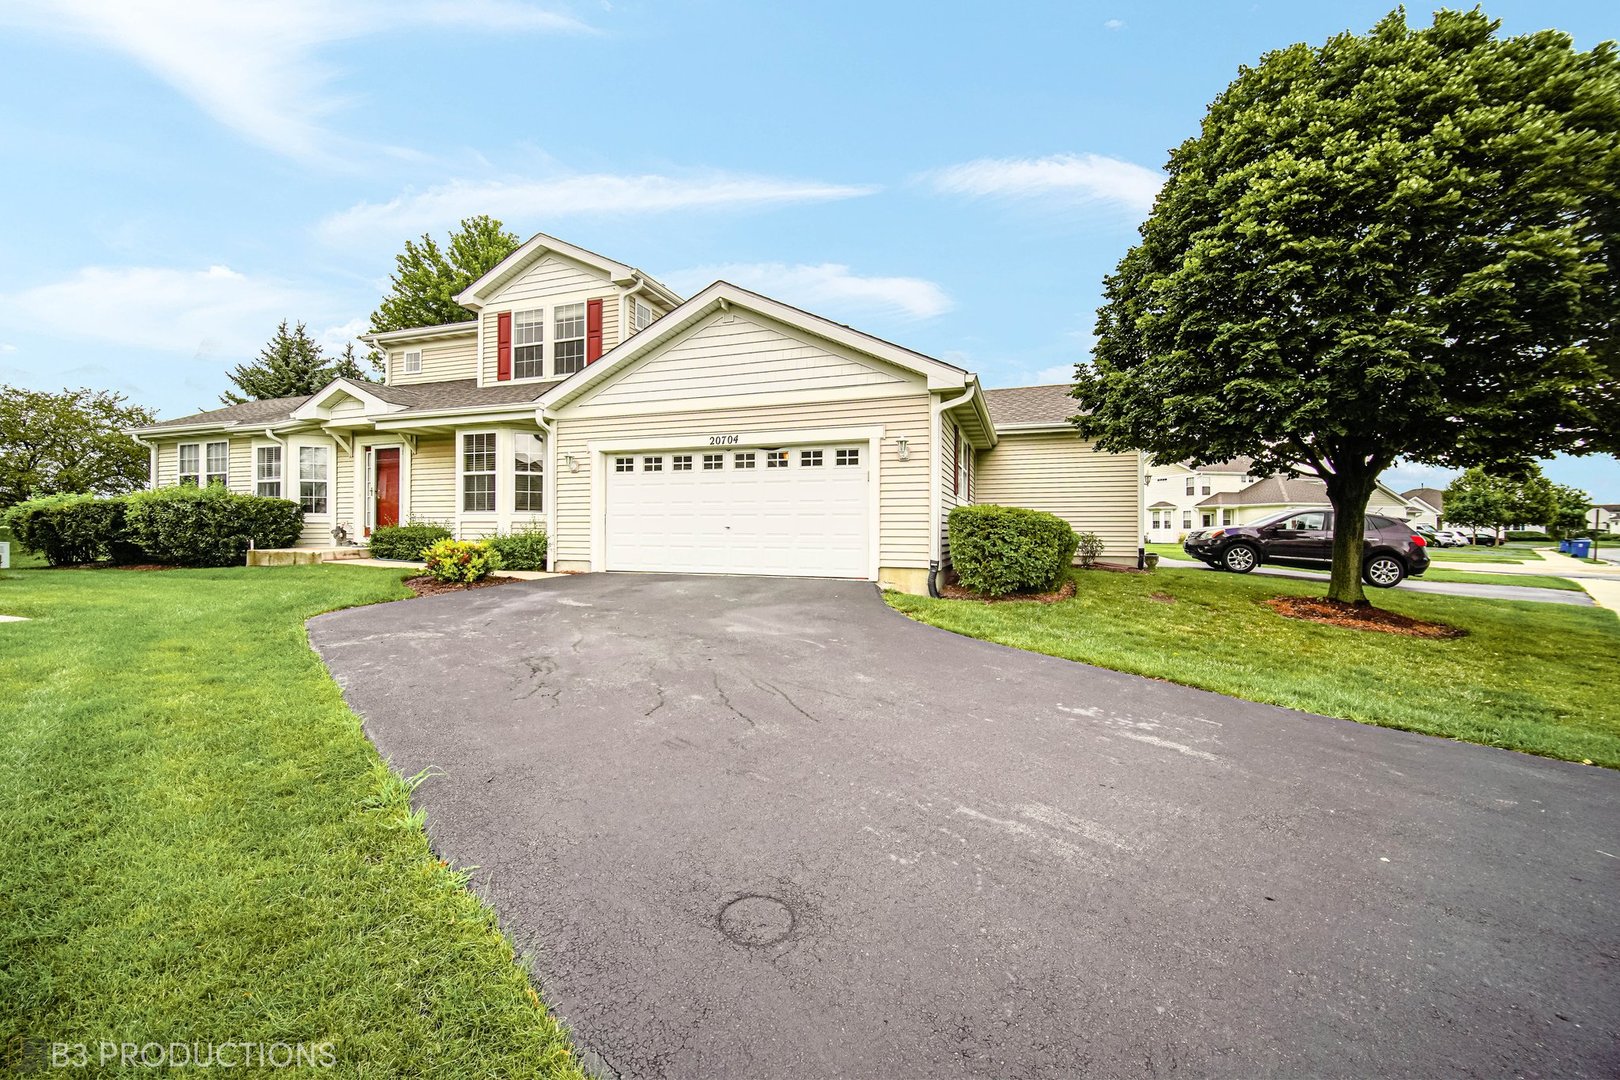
(1581, 549)
(1563, 546)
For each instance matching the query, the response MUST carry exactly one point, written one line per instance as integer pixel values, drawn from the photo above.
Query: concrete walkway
(1440, 588)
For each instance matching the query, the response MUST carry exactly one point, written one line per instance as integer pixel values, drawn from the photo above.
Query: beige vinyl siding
(442, 358)
(903, 499)
(346, 511)
(239, 462)
(737, 360)
(433, 481)
(1060, 473)
(551, 282)
(950, 435)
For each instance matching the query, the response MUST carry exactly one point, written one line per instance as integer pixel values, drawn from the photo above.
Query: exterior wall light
(902, 447)
(572, 462)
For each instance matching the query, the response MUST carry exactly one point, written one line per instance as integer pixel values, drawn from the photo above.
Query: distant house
(1174, 492)
(1276, 493)
(1604, 517)
(1431, 505)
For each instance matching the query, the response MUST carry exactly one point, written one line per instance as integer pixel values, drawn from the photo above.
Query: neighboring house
(1430, 504)
(1176, 491)
(1604, 517)
(727, 433)
(1276, 493)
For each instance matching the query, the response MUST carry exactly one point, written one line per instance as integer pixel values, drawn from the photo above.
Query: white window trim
(405, 362)
(545, 492)
(584, 337)
(544, 313)
(281, 479)
(462, 474)
(179, 458)
(330, 453)
(225, 477)
(600, 454)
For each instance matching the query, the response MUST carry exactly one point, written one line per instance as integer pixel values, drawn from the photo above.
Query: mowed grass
(1509, 556)
(1463, 577)
(1529, 676)
(200, 844)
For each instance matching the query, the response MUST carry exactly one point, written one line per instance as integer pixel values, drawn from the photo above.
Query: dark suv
(1393, 550)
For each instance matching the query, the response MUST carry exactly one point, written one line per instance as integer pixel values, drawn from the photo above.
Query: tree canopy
(293, 363)
(427, 279)
(52, 444)
(1397, 244)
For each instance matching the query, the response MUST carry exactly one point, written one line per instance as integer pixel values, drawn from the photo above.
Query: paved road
(771, 828)
(1443, 588)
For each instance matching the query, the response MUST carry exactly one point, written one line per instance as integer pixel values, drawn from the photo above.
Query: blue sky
(181, 176)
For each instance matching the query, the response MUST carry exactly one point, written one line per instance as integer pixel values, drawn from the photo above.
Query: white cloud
(252, 64)
(7, 347)
(1114, 24)
(1078, 177)
(567, 196)
(212, 313)
(824, 288)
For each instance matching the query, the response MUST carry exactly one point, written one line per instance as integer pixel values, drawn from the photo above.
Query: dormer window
(411, 362)
(528, 344)
(570, 339)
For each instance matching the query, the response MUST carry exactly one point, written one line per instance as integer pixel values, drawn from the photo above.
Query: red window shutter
(593, 330)
(503, 346)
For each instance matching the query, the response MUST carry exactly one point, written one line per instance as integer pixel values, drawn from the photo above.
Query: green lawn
(201, 845)
(1467, 554)
(1529, 676)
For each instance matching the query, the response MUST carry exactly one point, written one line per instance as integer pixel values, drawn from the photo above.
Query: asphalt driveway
(764, 827)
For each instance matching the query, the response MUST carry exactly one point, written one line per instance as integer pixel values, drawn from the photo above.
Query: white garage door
(801, 511)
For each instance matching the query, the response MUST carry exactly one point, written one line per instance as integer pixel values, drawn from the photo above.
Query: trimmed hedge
(188, 526)
(405, 541)
(69, 529)
(460, 561)
(524, 550)
(1526, 534)
(1004, 549)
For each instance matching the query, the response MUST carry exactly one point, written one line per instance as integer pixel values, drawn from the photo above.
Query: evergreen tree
(292, 364)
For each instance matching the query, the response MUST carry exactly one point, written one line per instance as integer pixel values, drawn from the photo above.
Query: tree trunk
(1349, 496)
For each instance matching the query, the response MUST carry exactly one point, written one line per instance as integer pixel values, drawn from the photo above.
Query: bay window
(478, 472)
(312, 479)
(528, 480)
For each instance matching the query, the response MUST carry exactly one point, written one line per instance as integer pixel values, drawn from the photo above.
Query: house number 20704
(722, 440)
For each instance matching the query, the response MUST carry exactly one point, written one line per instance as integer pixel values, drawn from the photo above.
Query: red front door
(387, 487)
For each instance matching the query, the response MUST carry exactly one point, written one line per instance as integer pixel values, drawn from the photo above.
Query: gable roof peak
(535, 248)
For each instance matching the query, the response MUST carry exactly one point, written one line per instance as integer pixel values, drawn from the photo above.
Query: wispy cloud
(253, 65)
(1114, 24)
(1079, 177)
(213, 313)
(571, 196)
(826, 287)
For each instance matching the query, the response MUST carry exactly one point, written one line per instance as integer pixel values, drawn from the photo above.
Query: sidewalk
(1602, 580)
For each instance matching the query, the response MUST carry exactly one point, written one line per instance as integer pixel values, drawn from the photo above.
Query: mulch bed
(951, 590)
(427, 586)
(1351, 617)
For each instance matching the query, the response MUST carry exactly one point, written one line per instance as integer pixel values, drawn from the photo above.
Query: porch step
(303, 556)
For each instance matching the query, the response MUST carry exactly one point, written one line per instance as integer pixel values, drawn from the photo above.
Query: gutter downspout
(1141, 510)
(549, 426)
(935, 412)
(151, 461)
(624, 308)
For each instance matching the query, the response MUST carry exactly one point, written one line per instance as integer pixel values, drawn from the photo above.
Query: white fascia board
(310, 410)
(484, 414)
(533, 248)
(421, 333)
(723, 295)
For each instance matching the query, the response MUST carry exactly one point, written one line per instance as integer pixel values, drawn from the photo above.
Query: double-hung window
(528, 344)
(528, 479)
(217, 464)
(1203, 485)
(267, 471)
(312, 479)
(569, 338)
(190, 465)
(478, 472)
(1191, 480)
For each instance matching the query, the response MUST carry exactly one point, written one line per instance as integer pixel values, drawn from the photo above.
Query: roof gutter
(935, 412)
(151, 458)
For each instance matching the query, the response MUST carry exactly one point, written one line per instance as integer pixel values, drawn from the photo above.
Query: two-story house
(724, 433)
(1175, 493)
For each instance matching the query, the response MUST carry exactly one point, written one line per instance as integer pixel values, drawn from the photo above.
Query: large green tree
(1570, 508)
(427, 278)
(51, 444)
(1401, 244)
(293, 363)
(1479, 500)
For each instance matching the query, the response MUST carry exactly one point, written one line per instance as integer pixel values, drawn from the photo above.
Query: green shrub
(188, 526)
(1526, 534)
(1089, 545)
(523, 550)
(68, 529)
(405, 541)
(1003, 549)
(460, 561)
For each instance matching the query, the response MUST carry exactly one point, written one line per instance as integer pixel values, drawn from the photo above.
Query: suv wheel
(1383, 571)
(1240, 558)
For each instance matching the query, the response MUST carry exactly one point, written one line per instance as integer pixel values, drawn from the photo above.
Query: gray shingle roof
(1238, 466)
(1031, 404)
(1278, 490)
(1433, 496)
(418, 397)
